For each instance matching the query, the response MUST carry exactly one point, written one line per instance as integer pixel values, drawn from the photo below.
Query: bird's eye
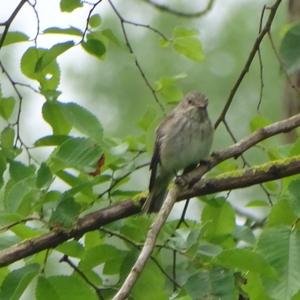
(190, 101)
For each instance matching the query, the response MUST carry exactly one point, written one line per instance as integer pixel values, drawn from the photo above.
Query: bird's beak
(204, 103)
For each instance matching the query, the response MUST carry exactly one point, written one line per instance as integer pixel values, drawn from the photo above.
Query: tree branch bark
(198, 186)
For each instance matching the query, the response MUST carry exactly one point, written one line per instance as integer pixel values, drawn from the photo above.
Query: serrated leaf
(14, 37)
(186, 42)
(16, 193)
(64, 288)
(51, 140)
(17, 281)
(69, 31)
(257, 122)
(245, 260)
(83, 120)
(48, 77)
(44, 176)
(95, 21)
(7, 107)
(290, 48)
(107, 254)
(155, 290)
(280, 246)
(79, 153)
(69, 5)
(65, 213)
(53, 113)
(168, 88)
(7, 137)
(94, 47)
(220, 219)
(71, 248)
(51, 54)
(213, 284)
(18, 170)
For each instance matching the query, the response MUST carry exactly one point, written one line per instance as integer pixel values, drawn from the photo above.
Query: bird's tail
(156, 195)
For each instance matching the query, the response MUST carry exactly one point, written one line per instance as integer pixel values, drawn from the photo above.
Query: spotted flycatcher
(183, 139)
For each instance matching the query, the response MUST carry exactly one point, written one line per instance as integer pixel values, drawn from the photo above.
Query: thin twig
(260, 37)
(66, 259)
(9, 21)
(178, 13)
(261, 66)
(123, 22)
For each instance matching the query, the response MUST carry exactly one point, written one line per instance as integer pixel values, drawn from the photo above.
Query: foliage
(221, 254)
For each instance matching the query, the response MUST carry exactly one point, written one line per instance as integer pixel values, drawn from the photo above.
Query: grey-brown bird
(183, 139)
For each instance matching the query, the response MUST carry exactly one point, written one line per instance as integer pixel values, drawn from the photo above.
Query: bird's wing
(155, 160)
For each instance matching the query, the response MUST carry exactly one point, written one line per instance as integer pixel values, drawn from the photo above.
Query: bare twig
(178, 13)
(94, 5)
(123, 22)
(9, 21)
(265, 30)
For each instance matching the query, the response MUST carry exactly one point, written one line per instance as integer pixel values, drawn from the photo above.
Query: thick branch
(127, 208)
(248, 177)
(87, 223)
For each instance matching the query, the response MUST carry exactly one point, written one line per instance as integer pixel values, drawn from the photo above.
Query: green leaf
(244, 233)
(14, 37)
(213, 284)
(7, 138)
(52, 54)
(69, 31)
(19, 171)
(51, 140)
(15, 194)
(255, 288)
(258, 122)
(69, 5)
(290, 48)
(281, 214)
(71, 248)
(220, 219)
(78, 153)
(65, 213)
(186, 42)
(245, 260)
(64, 288)
(94, 47)
(110, 256)
(48, 77)
(95, 21)
(280, 246)
(17, 281)
(168, 88)
(44, 176)
(155, 290)
(54, 114)
(7, 107)
(83, 120)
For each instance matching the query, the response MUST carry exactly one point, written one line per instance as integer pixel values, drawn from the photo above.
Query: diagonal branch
(9, 21)
(92, 221)
(254, 50)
